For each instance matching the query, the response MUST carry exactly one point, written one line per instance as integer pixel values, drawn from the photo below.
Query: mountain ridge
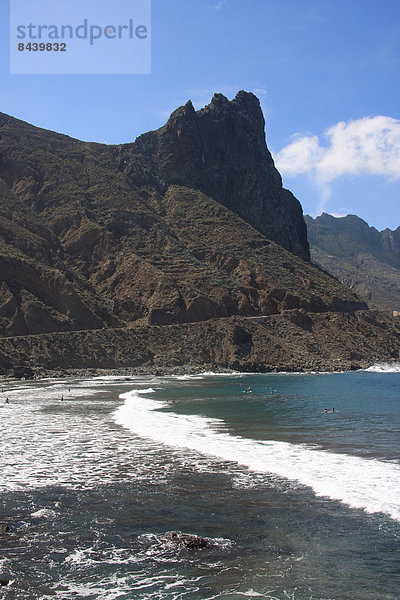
(111, 234)
(363, 258)
(188, 224)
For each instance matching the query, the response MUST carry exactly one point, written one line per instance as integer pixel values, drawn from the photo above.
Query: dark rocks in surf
(355, 367)
(5, 578)
(4, 528)
(22, 371)
(178, 539)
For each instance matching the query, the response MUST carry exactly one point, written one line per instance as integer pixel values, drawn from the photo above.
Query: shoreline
(165, 371)
(289, 342)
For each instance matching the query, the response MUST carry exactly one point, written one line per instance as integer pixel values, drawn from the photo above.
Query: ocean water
(297, 503)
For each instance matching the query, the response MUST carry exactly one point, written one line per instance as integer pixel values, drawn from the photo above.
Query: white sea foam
(205, 374)
(173, 585)
(74, 443)
(186, 377)
(44, 513)
(367, 484)
(384, 367)
(252, 594)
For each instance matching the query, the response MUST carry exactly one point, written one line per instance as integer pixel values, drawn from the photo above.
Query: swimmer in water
(333, 410)
(326, 410)
(7, 401)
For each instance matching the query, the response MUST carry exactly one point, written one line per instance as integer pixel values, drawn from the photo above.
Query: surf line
(362, 483)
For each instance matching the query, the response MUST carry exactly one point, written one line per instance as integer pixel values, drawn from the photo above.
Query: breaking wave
(384, 368)
(362, 483)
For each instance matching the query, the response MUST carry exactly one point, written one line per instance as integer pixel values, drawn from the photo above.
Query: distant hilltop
(363, 258)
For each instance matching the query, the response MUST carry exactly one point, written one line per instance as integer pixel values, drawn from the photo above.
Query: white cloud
(368, 146)
(217, 4)
(338, 215)
(301, 156)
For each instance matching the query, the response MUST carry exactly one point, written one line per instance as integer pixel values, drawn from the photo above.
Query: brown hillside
(169, 229)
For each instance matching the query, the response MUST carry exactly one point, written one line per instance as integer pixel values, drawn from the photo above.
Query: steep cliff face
(390, 242)
(221, 150)
(186, 224)
(363, 258)
(292, 341)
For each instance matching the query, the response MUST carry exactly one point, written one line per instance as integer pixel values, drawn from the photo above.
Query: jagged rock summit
(221, 150)
(159, 251)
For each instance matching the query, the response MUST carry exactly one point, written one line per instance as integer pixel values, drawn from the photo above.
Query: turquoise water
(297, 503)
(291, 408)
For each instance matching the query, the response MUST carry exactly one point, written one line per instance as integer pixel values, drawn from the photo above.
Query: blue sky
(327, 73)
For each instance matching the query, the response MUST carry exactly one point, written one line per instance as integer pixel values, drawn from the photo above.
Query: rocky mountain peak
(244, 111)
(245, 102)
(391, 240)
(249, 106)
(221, 150)
(218, 101)
(185, 112)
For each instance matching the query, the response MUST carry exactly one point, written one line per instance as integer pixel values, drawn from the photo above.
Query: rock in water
(5, 579)
(21, 372)
(186, 540)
